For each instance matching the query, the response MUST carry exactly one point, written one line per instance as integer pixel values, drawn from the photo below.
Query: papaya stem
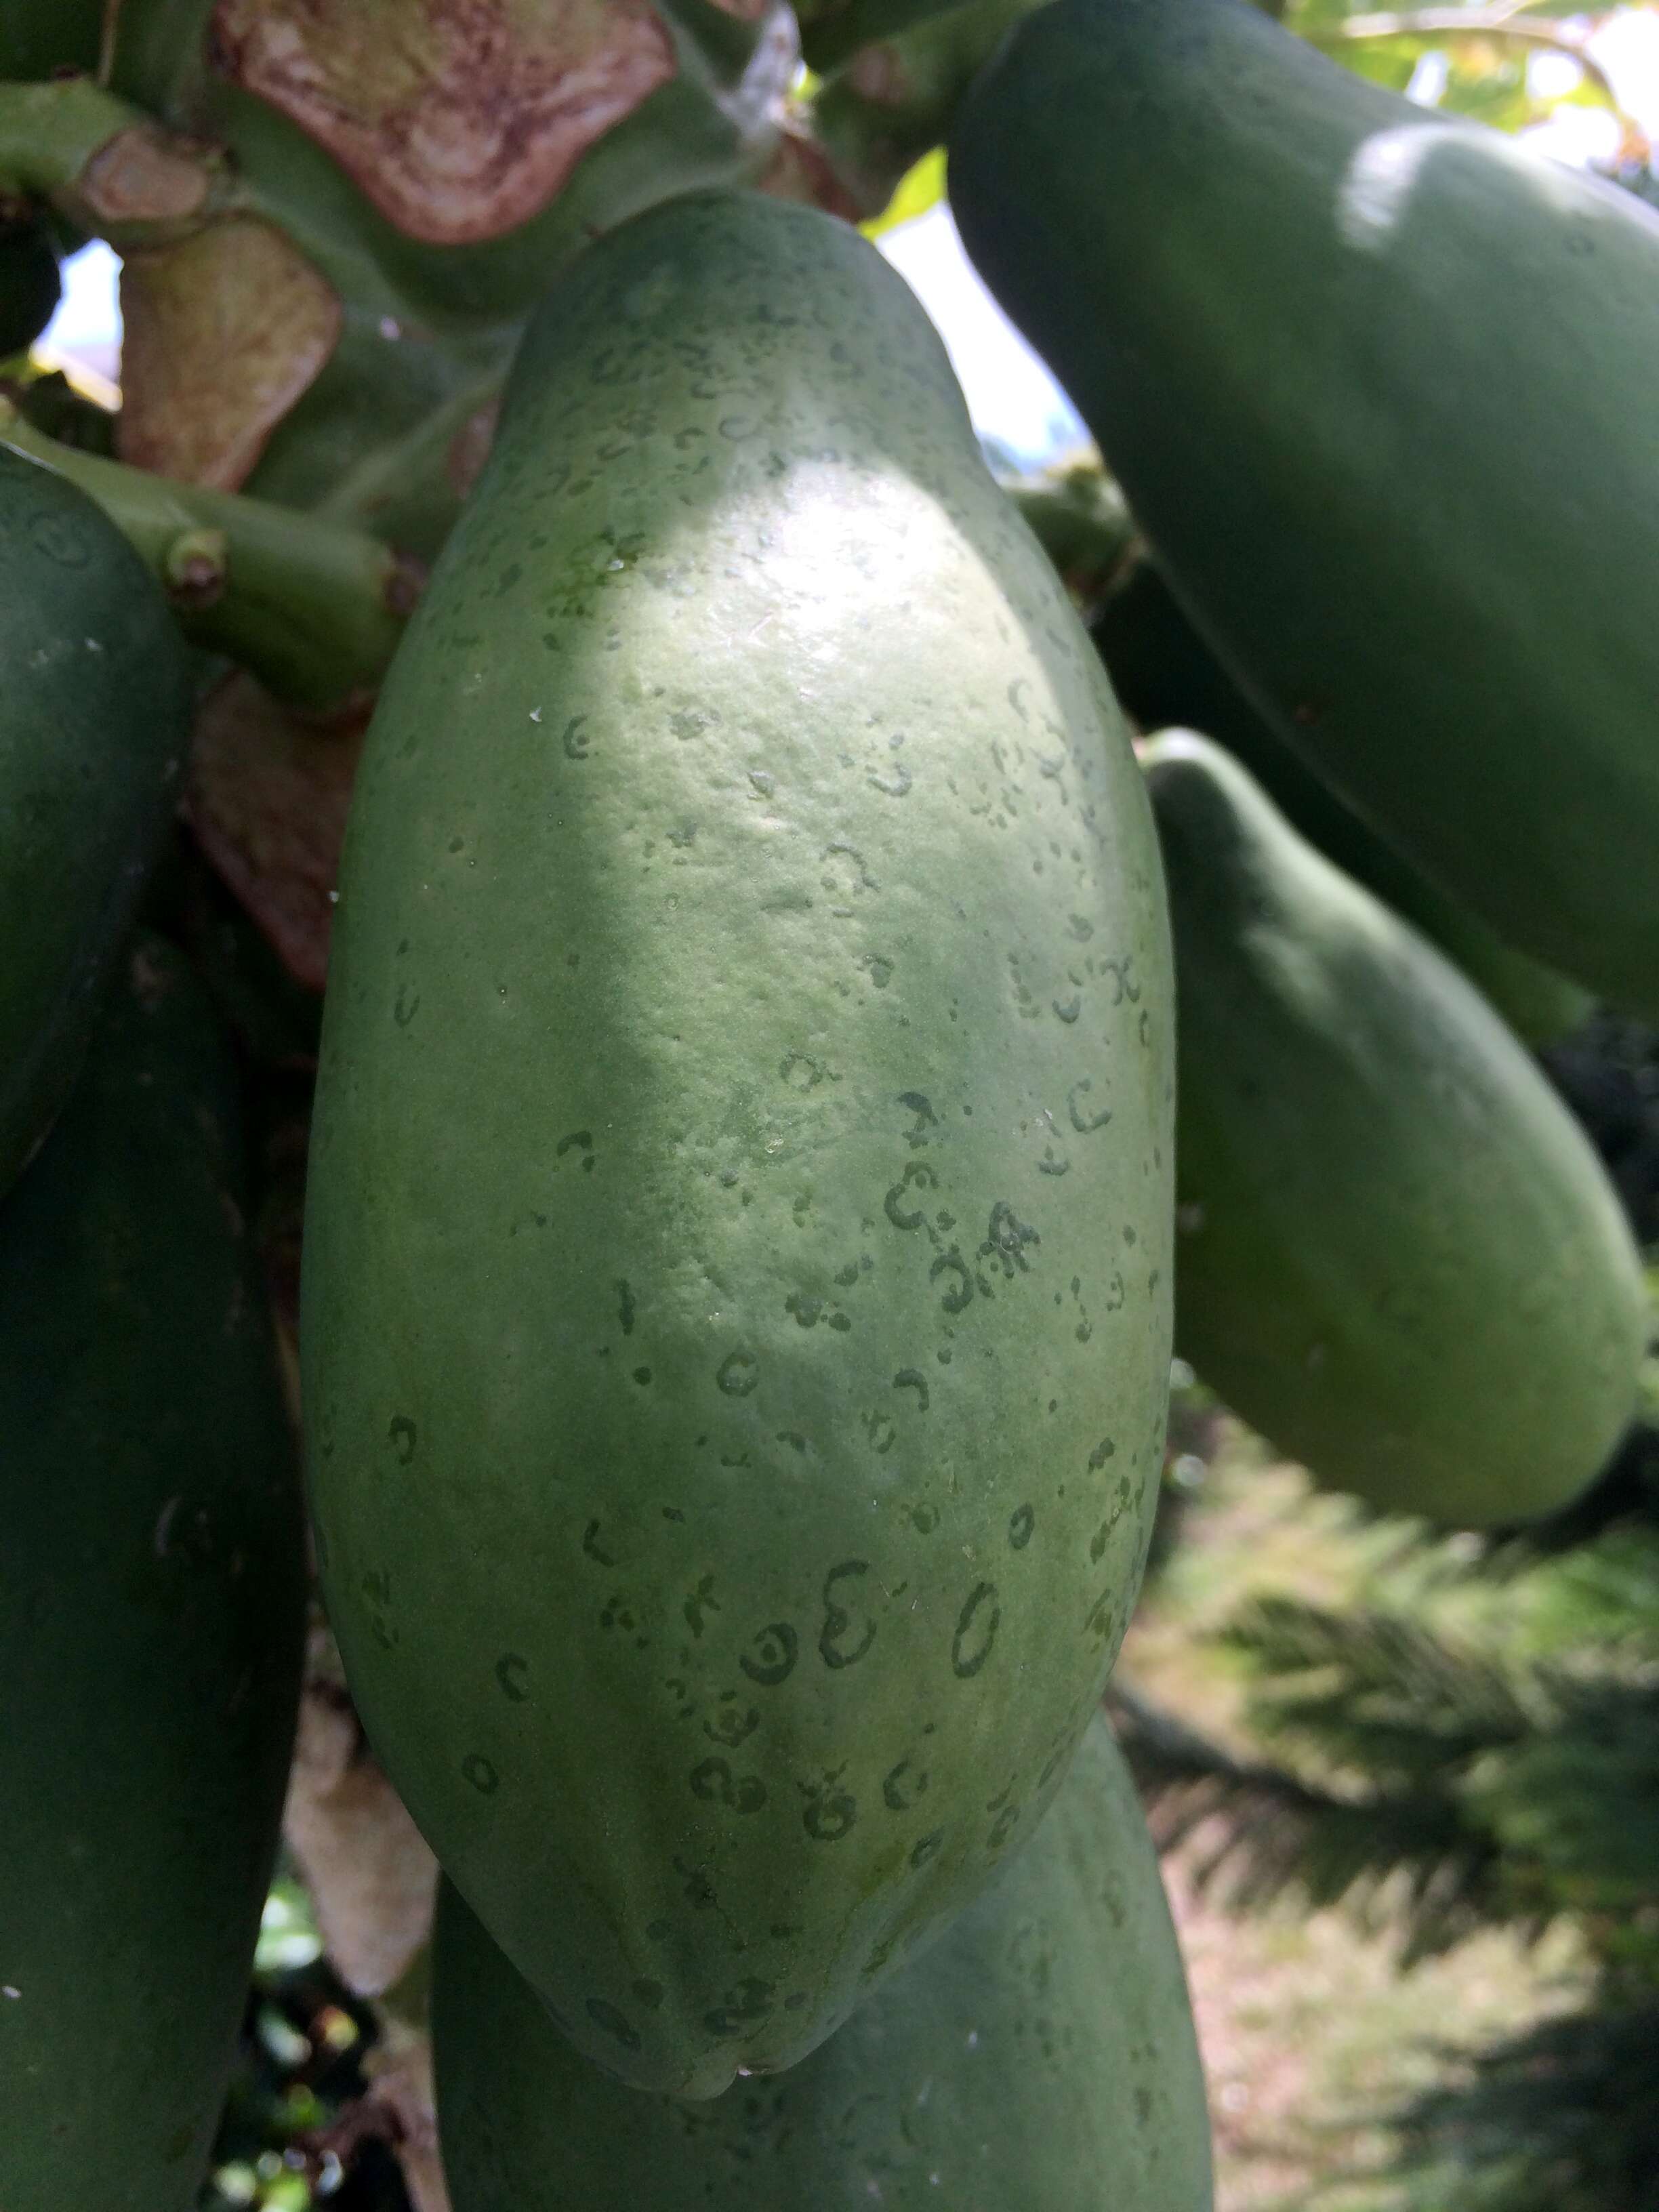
(105, 164)
(314, 608)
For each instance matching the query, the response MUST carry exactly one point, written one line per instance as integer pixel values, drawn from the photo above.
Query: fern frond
(1377, 1692)
(1407, 1862)
(1563, 2115)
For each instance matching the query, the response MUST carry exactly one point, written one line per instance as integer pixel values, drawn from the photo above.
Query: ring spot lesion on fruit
(1006, 1238)
(903, 1784)
(830, 1813)
(802, 1073)
(918, 1105)
(960, 1295)
(590, 1546)
(777, 1647)
(918, 1173)
(975, 1636)
(833, 1648)
(606, 2016)
(1002, 1828)
(1124, 984)
(699, 1601)
(909, 1378)
(713, 1783)
(730, 1726)
(1084, 1122)
(751, 2001)
(737, 1374)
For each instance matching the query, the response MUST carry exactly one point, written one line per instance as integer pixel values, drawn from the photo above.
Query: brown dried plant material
(800, 169)
(458, 119)
(142, 175)
(878, 75)
(266, 796)
(372, 1878)
(400, 2067)
(469, 449)
(224, 330)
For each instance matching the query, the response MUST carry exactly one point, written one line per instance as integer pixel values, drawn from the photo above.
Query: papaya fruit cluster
(789, 1071)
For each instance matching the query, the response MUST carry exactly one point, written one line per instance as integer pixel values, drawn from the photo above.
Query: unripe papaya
(1042, 2052)
(1083, 523)
(1165, 675)
(152, 1591)
(1377, 384)
(1399, 1258)
(93, 725)
(737, 1244)
(896, 99)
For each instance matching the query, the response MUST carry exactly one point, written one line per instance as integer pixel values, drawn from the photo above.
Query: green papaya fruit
(1082, 521)
(1043, 2053)
(29, 281)
(895, 100)
(1376, 382)
(152, 1595)
(833, 31)
(1165, 675)
(1399, 1257)
(94, 726)
(738, 1240)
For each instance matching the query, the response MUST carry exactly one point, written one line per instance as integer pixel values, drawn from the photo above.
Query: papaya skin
(1378, 385)
(1042, 2052)
(1398, 1256)
(737, 1247)
(1165, 674)
(152, 1614)
(94, 727)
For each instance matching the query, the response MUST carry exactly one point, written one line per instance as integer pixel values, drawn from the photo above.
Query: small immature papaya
(93, 725)
(1399, 1257)
(1165, 675)
(152, 1597)
(1041, 2052)
(1378, 384)
(738, 1242)
(1083, 523)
